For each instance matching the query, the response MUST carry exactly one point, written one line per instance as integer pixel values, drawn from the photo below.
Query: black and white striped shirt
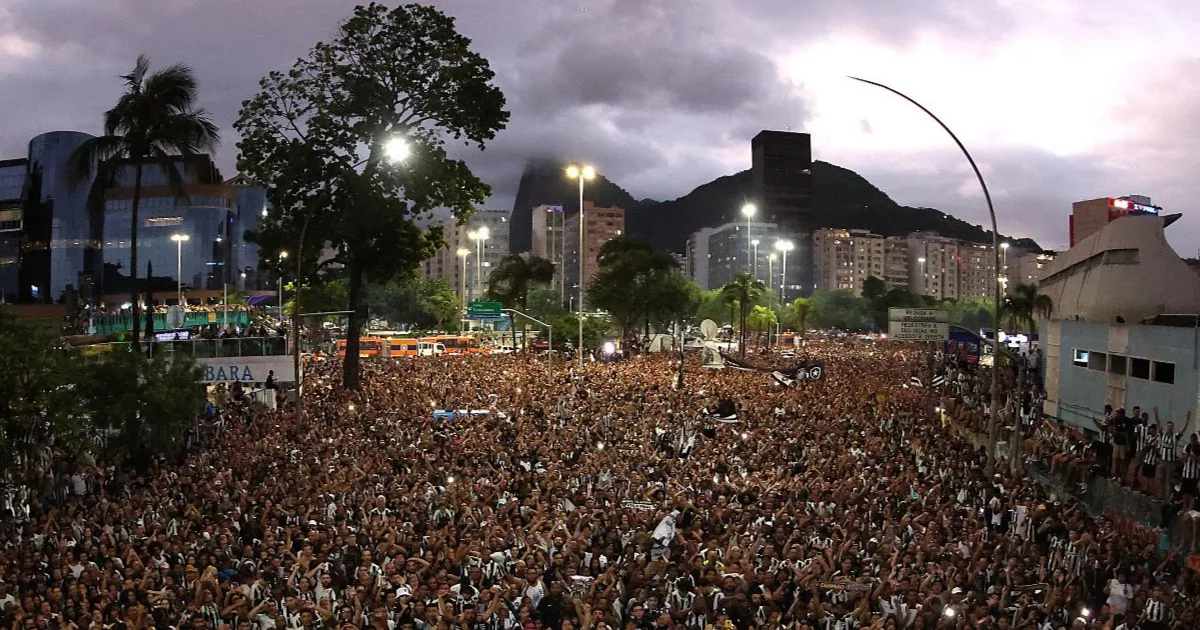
(1191, 464)
(1167, 443)
(1155, 611)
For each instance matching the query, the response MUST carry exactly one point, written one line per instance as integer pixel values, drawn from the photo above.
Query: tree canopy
(638, 284)
(350, 145)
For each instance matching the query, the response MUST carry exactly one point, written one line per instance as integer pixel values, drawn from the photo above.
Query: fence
(203, 348)
(114, 324)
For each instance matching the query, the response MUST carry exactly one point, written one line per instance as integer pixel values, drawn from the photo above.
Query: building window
(1164, 372)
(1081, 358)
(1139, 368)
(1116, 364)
(1098, 361)
(1121, 257)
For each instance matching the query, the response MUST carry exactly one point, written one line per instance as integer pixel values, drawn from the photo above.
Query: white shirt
(1119, 595)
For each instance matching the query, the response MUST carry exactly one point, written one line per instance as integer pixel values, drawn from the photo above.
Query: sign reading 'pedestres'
(918, 331)
(918, 315)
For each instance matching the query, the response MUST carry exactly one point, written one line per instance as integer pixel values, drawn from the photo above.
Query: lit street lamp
(581, 173)
(771, 270)
(748, 212)
(1004, 273)
(463, 253)
(924, 281)
(179, 239)
(785, 247)
(754, 258)
(282, 257)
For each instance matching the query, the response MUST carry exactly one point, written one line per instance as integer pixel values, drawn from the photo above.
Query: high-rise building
(61, 243)
(447, 265)
(782, 172)
(895, 261)
(601, 225)
(548, 243)
(250, 201)
(698, 257)
(1091, 215)
(947, 268)
(844, 259)
(14, 175)
(1024, 267)
(204, 213)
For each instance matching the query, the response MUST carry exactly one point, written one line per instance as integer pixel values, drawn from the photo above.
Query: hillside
(841, 199)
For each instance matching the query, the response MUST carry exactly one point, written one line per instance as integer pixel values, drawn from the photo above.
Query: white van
(430, 349)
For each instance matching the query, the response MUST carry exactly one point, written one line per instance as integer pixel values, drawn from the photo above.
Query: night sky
(1059, 100)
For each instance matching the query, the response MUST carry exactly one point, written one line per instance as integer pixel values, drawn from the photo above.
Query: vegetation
(743, 292)
(637, 284)
(411, 303)
(350, 145)
(153, 120)
(510, 282)
(121, 407)
(1025, 305)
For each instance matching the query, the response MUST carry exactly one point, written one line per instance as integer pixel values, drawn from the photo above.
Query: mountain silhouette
(841, 199)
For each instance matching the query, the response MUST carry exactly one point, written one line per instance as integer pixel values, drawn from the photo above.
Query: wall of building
(1146, 366)
(781, 166)
(602, 225)
(697, 258)
(70, 235)
(447, 265)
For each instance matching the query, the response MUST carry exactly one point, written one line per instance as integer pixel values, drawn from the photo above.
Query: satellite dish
(708, 329)
(176, 317)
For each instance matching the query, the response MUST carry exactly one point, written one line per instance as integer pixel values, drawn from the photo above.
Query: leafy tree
(393, 83)
(874, 288)
(799, 314)
(632, 280)
(595, 330)
(544, 304)
(414, 303)
(154, 119)
(743, 291)
(712, 305)
(439, 303)
(841, 309)
(509, 283)
(761, 319)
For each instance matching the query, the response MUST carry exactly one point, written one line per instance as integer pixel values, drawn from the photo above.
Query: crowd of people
(588, 500)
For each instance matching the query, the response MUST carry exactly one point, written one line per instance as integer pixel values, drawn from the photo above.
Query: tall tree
(154, 119)
(1025, 305)
(327, 138)
(630, 280)
(744, 291)
(509, 283)
(799, 313)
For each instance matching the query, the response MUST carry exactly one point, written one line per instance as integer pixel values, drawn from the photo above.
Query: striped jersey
(1167, 443)
(1191, 464)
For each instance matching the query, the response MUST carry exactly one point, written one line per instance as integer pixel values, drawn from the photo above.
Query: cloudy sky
(1058, 99)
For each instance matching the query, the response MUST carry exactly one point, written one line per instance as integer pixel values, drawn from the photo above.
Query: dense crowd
(597, 501)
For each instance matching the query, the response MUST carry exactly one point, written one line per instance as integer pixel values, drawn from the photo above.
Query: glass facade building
(62, 239)
(14, 175)
(205, 213)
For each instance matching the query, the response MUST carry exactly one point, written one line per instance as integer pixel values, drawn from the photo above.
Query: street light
(1004, 275)
(785, 247)
(748, 212)
(463, 253)
(993, 426)
(581, 173)
(479, 236)
(754, 258)
(923, 281)
(282, 257)
(179, 239)
(771, 270)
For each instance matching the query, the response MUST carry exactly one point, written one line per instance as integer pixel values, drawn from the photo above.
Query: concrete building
(782, 172)
(601, 225)
(1091, 215)
(844, 259)
(1020, 266)
(946, 268)
(731, 251)
(548, 242)
(447, 265)
(895, 261)
(697, 258)
(1115, 338)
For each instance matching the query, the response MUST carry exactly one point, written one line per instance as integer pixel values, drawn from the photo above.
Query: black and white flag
(915, 381)
(938, 381)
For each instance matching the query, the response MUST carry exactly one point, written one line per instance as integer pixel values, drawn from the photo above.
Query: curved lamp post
(995, 389)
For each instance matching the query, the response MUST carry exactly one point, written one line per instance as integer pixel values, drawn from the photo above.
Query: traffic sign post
(918, 324)
(484, 310)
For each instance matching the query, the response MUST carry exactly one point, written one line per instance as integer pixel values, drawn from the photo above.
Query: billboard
(247, 369)
(963, 345)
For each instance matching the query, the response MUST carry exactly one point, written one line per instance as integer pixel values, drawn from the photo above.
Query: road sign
(484, 310)
(918, 315)
(918, 331)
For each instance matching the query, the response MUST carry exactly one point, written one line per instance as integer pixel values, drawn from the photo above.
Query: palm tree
(799, 312)
(745, 291)
(510, 282)
(155, 119)
(1025, 305)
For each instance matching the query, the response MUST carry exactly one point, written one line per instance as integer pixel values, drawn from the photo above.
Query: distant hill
(841, 199)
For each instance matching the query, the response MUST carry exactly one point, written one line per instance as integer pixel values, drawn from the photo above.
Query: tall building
(548, 243)
(946, 268)
(844, 259)
(1091, 215)
(698, 257)
(447, 265)
(204, 213)
(61, 244)
(250, 201)
(601, 225)
(782, 172)
(730, 252)
(895, 261)
(1024, 267)
(13, 189)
